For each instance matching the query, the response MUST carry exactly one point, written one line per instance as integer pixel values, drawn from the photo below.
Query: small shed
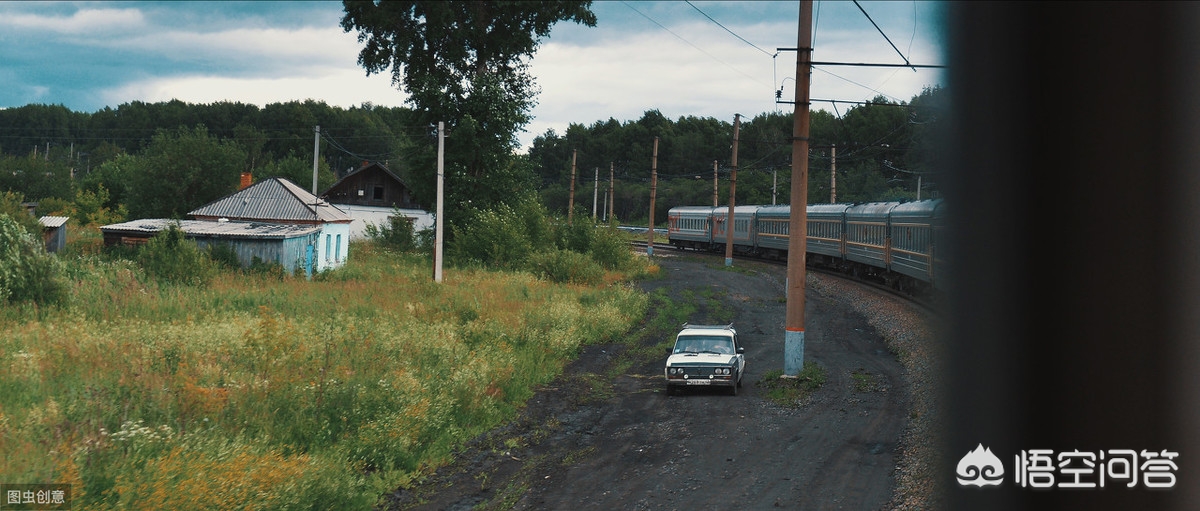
(54, 232)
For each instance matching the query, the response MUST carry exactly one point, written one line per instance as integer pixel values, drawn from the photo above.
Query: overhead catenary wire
(743, 39)
(889, 40)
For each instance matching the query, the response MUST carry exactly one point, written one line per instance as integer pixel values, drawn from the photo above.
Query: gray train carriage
(743, 227)
(827, 232)
(913, 239)
(771, 227)
(867, 233)
(690, 227)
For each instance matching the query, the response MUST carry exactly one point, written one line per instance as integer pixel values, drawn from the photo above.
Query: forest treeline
(162, 159)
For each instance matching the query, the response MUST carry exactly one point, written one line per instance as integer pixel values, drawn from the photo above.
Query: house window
(327, 237)
(338, 250)
(377, 193)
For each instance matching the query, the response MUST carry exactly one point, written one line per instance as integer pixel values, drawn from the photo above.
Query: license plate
(699, 382)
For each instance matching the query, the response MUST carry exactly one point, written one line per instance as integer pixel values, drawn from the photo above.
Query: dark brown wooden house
(371, 185)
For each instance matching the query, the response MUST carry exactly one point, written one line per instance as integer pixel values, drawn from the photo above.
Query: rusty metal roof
(213, 229)
(273, 200)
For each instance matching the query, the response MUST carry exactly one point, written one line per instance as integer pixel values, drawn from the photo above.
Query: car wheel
(733, 389)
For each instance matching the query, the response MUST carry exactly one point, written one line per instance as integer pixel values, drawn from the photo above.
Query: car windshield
(719, 345)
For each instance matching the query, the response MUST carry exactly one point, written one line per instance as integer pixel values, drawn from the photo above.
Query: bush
(566, 266)
(169, 257)
(494, 237)
(611, 249)
(27, 272)
(396, 234)
(225, 256)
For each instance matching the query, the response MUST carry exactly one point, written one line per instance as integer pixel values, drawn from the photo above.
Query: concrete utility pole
(316, 154)
(715, 184)
(737, 122)
(793, 346)
(611, 198)
(653, 192)
(774, 184)
(439, 219)
(833, 174)
(571, 197)
(595, 190)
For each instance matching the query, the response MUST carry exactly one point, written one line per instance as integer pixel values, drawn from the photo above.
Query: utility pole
(595, 191)
(737, 122)
(316, 154)
(833, 174)
(439, 218)
(715, 183)
(774, 184)
(793, 346)
(571, 197)
(611, 198)
(653, 192)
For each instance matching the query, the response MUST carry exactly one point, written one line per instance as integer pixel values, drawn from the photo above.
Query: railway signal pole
(793, 347)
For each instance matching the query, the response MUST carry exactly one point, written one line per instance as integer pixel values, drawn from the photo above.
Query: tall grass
(269, 394)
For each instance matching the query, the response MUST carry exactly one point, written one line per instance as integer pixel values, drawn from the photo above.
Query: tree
(181, 170)
(464, 63)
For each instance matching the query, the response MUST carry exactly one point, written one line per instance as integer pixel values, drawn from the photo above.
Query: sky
(698, 58)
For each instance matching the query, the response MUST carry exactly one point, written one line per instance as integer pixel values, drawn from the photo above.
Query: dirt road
(595, 440)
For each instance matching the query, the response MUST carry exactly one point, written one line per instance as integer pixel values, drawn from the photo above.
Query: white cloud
(336, 87)
(83, 21)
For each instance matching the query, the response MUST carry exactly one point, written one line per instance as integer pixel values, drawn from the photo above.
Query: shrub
(170, 257)
(225, 256)
(494, 237)
(611, 249)
(566, 266)
(27, 272)
(396, 234)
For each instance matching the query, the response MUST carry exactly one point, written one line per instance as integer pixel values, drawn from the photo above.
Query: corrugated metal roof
(53, 222)
(275, 200)
(210, 228)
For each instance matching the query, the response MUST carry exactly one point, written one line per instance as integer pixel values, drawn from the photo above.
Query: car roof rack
(715, 327)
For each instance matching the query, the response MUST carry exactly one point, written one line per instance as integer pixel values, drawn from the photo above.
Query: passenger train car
(891, 242)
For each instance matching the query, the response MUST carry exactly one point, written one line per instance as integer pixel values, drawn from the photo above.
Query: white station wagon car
(708, 356)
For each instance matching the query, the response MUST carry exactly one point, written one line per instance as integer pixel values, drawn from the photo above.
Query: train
(893, 243)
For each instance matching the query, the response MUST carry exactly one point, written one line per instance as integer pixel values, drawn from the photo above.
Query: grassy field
(260, 393)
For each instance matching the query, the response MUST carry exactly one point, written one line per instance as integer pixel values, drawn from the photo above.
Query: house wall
(333, 246)
(288, 252)
(376, 188)
(378, 216)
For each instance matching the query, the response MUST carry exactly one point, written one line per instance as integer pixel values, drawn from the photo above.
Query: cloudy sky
(707, 59)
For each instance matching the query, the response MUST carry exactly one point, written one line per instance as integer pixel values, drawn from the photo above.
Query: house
(273, 220)
(372, 194)
(279, 201)
(286, 244)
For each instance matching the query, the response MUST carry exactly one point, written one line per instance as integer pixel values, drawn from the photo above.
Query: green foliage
(184, 169)
(791, 392)
(397, 234)
(465, 63)
(11, 205)
(566, 266)
(298, 170)
(494, 237)
(224, 255)
(27, 272)
(171, 258)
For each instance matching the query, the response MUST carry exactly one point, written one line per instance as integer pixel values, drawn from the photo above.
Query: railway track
(929, 304)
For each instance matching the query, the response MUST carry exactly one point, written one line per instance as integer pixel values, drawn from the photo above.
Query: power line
(864, 11)
(710, 18)
(677, 36)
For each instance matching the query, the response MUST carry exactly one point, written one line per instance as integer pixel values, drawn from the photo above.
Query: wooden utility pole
(571, 197)
(715, 204)
(611, 198)
(793, 348)
(439, 216)
(833, 174)
(737, 122)
(316, 154)
(653, 192)
(595, 191)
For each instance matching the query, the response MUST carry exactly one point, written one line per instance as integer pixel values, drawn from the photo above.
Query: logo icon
(980, 468)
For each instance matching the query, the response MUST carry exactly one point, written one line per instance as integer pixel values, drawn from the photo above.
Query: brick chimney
(247, 180)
